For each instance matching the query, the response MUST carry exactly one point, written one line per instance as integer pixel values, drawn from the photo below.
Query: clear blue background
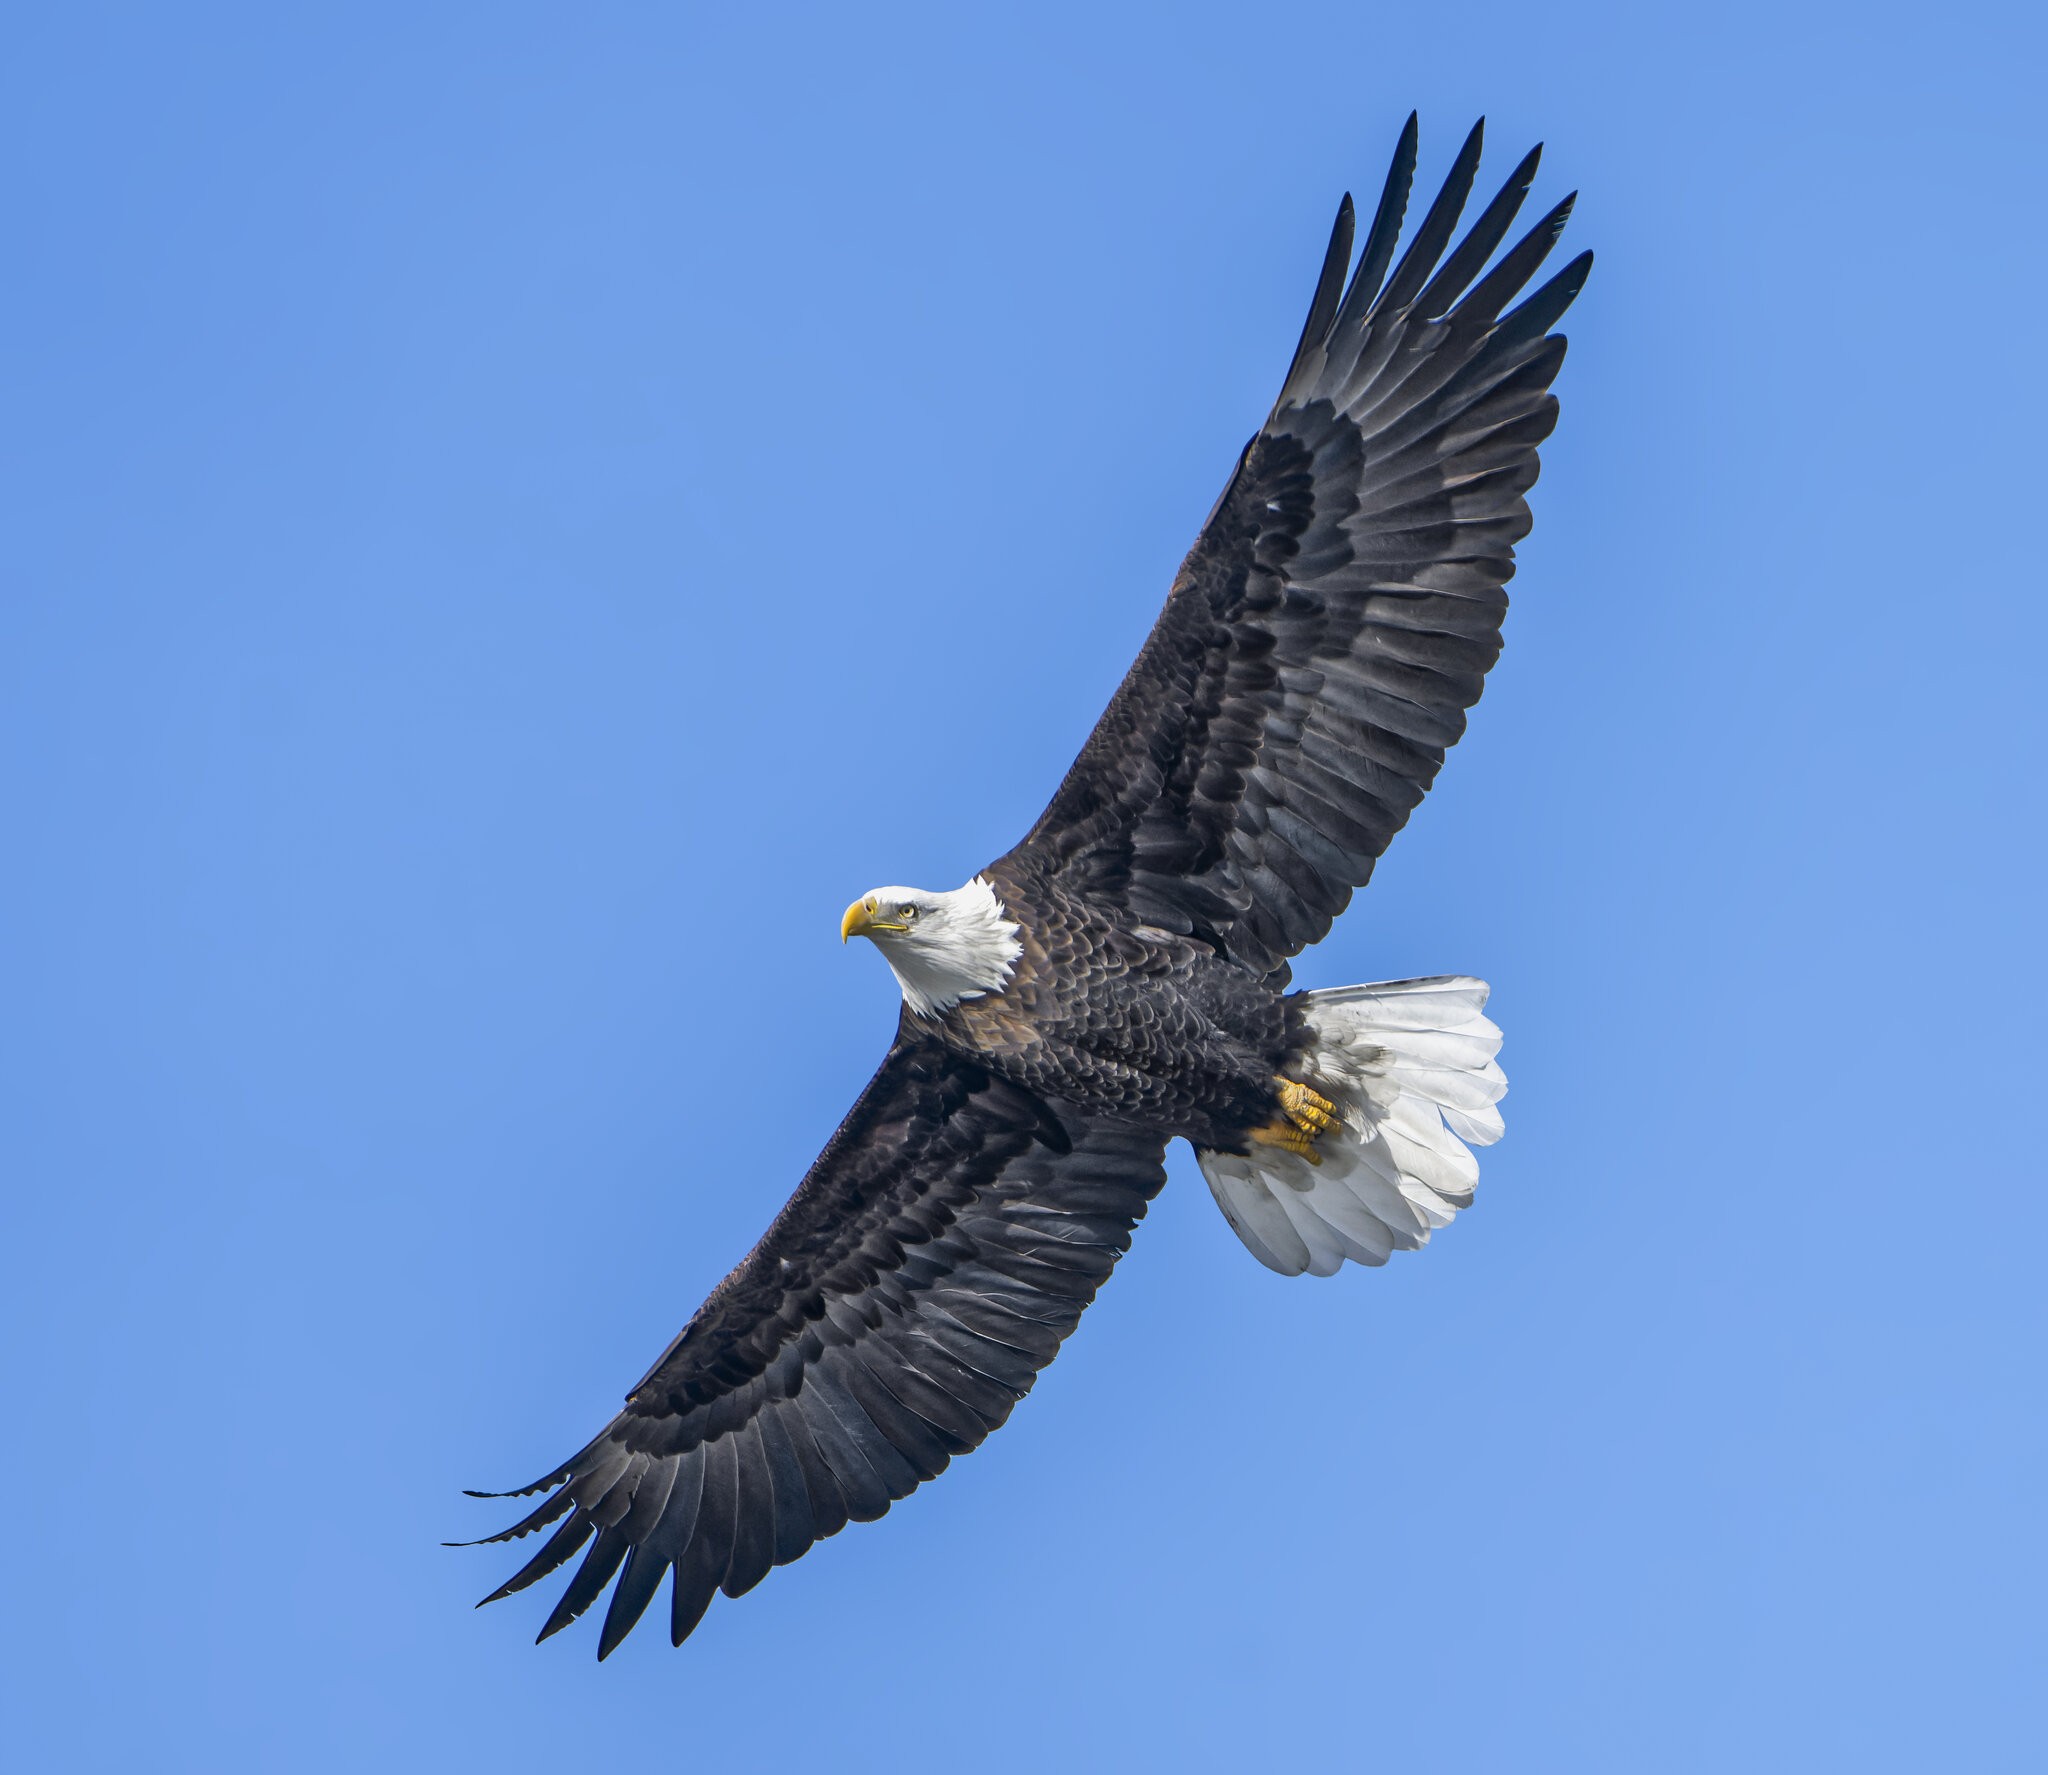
(515, 514)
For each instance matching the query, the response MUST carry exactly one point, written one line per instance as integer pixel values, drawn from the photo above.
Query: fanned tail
(1410, 1065)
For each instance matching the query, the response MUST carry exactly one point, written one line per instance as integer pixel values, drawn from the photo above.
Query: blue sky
(513, 515)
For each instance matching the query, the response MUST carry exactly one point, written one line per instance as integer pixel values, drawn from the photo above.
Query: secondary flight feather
(1120, 979)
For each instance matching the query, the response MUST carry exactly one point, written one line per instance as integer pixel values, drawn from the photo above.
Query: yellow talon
(1304, 1114)
(1282, 1133)
(1312, 1113)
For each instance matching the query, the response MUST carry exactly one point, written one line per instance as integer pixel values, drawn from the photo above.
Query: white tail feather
(1410, 1066)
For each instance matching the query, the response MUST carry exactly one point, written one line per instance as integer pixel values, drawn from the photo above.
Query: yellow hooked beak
(864, 918)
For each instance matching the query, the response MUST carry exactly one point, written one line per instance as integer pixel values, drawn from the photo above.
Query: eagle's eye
(906, 913)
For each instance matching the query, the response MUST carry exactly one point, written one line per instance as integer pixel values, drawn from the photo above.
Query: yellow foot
(1309, 1112)
(1303, 1116)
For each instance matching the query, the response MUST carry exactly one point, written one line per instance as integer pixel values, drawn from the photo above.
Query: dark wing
(926, 1269)
(1338, 613)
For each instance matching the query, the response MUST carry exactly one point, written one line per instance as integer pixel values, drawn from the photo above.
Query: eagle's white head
(942, 947)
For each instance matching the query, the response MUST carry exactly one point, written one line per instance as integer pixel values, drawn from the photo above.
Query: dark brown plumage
(1317, 654)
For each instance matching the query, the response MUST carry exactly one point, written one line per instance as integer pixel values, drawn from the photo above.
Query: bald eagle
(1121, 977)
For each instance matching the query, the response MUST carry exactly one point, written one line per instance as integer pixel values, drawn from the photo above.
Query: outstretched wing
(1338, 613)
(928, 1266)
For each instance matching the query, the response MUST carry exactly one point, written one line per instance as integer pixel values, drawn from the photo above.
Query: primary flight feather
(1120, 978)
